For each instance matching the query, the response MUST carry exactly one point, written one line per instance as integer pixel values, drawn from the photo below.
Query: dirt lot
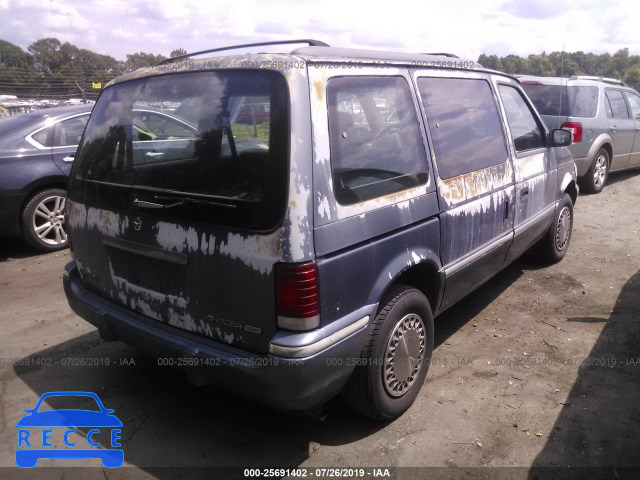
(539, 368)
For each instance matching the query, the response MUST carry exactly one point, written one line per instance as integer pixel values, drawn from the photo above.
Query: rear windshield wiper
(179, 203)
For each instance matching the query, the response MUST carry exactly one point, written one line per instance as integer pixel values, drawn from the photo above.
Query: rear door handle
(524, 193)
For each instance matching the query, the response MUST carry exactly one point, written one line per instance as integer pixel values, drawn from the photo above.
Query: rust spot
(474, 184)
(318, 87)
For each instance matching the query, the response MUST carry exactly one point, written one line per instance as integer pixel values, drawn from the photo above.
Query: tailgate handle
(146, 250)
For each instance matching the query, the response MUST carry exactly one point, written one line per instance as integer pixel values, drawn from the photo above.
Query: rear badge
(233, 324)
(137, 224)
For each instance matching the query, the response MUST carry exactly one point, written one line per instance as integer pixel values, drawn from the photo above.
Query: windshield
(213, 146)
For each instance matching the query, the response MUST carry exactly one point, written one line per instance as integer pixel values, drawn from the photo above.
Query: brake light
(297, 298)
(576, 130)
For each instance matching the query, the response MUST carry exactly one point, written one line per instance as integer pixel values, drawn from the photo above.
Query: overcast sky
(464, 27)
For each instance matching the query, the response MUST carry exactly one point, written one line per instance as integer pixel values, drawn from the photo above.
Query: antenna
(84, 97)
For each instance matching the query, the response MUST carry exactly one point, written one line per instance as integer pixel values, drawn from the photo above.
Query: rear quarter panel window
(44, 137)
(375, 141)
(465, 125)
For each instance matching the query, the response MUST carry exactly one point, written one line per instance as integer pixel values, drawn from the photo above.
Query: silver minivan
(289, 230)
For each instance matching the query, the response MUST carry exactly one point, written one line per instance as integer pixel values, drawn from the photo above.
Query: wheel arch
(602, 141)
(569, 187)
(419, 268)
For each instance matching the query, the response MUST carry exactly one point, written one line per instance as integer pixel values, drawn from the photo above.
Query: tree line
(56, 70)
(620, 65)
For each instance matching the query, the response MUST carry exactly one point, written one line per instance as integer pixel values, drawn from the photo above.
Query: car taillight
(297, 298)
(576, 130)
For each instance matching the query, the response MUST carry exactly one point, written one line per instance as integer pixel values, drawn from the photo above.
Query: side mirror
(560, 138)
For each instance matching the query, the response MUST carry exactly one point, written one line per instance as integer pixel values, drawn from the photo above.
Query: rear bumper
(291, 384)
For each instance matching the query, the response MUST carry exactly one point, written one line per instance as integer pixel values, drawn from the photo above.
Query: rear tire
(596, 177)
(396, 357)
(42, 223)
(554, 245)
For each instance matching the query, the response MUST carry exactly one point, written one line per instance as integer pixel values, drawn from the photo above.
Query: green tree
(141, 59)
(514, 64)
(540, 65)
(632, 77)
(16, 69)
(177, 52)
(490, 61)
(46, 54)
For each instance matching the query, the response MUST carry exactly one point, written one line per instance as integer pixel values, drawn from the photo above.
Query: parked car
(36, 152)
(388, 186)
(603, 115)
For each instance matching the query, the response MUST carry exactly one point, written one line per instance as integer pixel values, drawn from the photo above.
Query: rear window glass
(376, 146)
(211, 145)
(464, 123)
(563, 101)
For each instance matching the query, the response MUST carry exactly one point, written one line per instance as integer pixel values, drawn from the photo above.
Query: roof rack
(311, 42)
(612, 81)
(442, 55)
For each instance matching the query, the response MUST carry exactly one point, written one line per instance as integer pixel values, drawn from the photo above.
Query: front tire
(396, 357)
(596, 177)
(554, 245)
(43, 223)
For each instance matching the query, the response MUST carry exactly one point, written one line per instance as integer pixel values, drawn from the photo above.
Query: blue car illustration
(33, 447)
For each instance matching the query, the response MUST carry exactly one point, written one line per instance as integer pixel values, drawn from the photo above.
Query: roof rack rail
(442, 54)
(612, 81)
(311, 42)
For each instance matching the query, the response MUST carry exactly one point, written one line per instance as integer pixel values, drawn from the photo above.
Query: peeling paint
(104, 221)
(150, 303)
(323, 207)
(530, 166)
(471, 185)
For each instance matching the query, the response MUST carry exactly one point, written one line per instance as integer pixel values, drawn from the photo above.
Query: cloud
(536, 9)
(464, 27)
(273, 27)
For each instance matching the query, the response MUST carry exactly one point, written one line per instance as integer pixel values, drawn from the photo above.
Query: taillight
(576, 130)
(297, 295)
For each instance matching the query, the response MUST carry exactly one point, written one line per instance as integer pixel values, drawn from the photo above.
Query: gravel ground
(538, 368)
